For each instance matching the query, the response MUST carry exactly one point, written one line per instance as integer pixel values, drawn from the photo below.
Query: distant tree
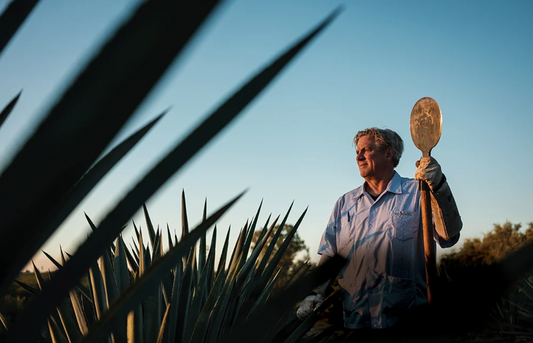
(294, 258)
(496, 244)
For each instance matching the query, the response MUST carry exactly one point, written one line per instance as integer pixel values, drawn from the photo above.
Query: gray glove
(429, 170)
(308, 305)
(448, 222)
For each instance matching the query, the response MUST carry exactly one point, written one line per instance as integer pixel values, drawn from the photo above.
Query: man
(377, 228)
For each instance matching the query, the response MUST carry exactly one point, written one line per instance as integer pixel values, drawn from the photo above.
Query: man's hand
(429, 170)
(308, 305)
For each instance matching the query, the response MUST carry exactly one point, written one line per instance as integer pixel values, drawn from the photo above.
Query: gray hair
(384, 139)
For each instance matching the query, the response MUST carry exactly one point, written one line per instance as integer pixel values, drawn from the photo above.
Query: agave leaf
(265, 318)
(184, 218)
(247, 267)
(163, 336)
(211, 270)
(304, 268)
(310, 321)
(101, 99)
(150, 226)
(279, 254)
(27, 287)
(9, 107)
(265, 228)
(3, 324)
(108, 277)
(185, 298)
(203, 245)
(122, 275)
(258, 282)
(12, 18)
(156, 253)
(135, 327)
(38, 277)
(57, 264)
(132, 261)
(235, 256)
(245, 302)
(79, 314)
(167, 281)
(222, 260)
(68, 321)
(55, 332)
(151, 305)
(170, 332)
(219, 313)
(142, 253)
(272, 245)
(203, 323)
(97, 290)
(169, 237)
(198, 298)
(151, 278)
(265, 294)
(322, 337)
(84, 290)
(112, 293)
(251, 231)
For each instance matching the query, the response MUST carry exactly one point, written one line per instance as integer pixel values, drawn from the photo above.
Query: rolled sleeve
(328, 243)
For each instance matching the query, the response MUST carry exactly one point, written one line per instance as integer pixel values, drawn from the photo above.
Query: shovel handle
(429, 243)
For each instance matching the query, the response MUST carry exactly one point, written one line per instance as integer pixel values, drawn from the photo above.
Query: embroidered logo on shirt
(403, 213)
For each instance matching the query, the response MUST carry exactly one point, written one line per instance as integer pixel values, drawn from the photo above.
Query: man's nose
(360, 156)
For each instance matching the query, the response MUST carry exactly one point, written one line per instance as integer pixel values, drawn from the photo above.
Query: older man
(377, 228)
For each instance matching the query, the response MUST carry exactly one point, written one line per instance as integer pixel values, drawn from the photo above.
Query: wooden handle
(429, 243)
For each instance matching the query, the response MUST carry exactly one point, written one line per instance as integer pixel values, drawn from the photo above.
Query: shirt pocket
(404, 225)
(345, 236)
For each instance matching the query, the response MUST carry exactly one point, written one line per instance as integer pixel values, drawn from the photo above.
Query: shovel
(426, 128)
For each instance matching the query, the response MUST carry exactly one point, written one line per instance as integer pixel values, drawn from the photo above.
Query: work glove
(429, 170)
(308, 305)
(448, 222)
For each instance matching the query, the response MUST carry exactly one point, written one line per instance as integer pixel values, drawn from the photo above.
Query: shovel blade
(426, 124)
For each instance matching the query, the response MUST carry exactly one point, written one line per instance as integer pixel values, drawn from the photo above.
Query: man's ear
(390, 154)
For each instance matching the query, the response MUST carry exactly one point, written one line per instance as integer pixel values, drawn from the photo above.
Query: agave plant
(101, 99)
(198, 300)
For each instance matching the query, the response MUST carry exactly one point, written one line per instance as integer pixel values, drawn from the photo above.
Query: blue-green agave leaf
(12, 18)
(150, 226)
(9, 107)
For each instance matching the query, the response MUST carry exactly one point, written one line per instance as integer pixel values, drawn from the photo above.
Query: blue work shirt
(383, 242)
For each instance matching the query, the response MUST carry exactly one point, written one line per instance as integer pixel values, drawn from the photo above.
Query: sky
(294, 142)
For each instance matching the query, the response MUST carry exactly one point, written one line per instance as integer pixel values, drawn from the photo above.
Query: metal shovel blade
(426, 125)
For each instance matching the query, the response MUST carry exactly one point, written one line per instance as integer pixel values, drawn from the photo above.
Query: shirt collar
(394, 186)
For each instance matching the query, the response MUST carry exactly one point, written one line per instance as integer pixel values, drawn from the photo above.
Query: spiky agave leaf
(12, 18)
(9, 107)
(310, 321)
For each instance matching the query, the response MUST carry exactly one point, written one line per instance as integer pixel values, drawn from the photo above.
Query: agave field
(146, 292)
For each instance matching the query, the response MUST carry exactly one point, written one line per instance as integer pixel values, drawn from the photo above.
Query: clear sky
(294, 142)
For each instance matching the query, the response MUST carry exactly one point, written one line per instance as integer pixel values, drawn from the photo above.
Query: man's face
(372, 162)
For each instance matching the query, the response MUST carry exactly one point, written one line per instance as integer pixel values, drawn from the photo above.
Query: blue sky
(294, 142)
